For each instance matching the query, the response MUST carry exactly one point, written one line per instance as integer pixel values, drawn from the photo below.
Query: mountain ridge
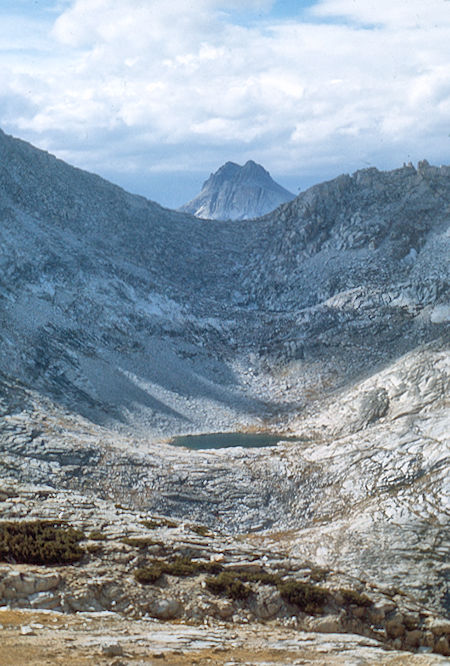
(236, 193)
(217, 293)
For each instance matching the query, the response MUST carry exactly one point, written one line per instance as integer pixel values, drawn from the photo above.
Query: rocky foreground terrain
(123, 324)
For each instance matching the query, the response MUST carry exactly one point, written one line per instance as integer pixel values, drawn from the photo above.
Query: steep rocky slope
(130, 313)
(122, 324)
(237, 193)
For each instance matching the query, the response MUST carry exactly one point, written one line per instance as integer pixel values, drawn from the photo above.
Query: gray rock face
(107, 309)
(237, 193)
(123, 324)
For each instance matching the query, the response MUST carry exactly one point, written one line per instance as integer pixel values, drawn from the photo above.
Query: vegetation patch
(149, 574)
(201, 530)
(228, 583)
(234, 583)
(154, 523)
(40, 542)
(184, 566)
(309, 598)
(180, 566)
(96, 535)
(351, 597)
(262, 577)
(141, 542)
(318, 574)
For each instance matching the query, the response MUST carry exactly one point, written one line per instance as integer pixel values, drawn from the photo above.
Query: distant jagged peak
(227, 169)
(238, 192)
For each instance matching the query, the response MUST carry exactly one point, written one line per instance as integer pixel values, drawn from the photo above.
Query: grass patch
(40, 542)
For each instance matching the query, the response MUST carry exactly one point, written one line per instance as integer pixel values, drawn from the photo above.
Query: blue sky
(156, 95)
(290, 8)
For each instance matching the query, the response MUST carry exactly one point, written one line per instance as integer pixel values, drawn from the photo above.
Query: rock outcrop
(237, 193)
(120, 542)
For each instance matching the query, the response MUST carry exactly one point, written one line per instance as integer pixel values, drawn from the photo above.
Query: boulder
(165, 609)
(395, 627)
(268, 603)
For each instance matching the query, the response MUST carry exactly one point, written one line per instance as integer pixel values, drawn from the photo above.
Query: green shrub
(228, 583)
(262, 577)
(180, 567)
(232, 582)
(96, 535)
(40, 542)
(148, 575)
(351, 597)
(269, 579)
(309, 598)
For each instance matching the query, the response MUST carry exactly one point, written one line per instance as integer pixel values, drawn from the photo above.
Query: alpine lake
(223, 440)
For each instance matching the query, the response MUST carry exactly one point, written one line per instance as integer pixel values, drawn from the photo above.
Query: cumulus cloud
(148, 84)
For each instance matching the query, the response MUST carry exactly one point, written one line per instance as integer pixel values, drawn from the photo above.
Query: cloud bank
(149, 87)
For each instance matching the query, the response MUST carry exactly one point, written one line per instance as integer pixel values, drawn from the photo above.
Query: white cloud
(397, 14)
(183, 85)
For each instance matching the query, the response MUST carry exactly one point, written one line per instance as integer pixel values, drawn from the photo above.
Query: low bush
(262, 577)
(351, 597)
(233, 583)
(96, 535)
(228, 583)
(309, 598)
(40, 542)
(180, 566)
(148, 575)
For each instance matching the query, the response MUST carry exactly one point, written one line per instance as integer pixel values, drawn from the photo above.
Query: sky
(156, 95)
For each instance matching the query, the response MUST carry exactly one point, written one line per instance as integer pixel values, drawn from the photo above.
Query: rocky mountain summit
(236, 192)
(123, 324)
